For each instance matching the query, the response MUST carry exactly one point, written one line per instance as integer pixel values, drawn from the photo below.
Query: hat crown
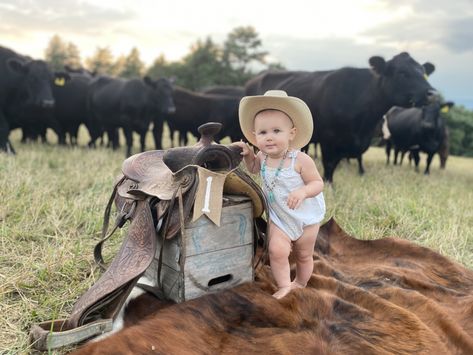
(278, 100)
(276, 93)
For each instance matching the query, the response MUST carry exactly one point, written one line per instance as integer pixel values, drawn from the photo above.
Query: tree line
(207, 63)
(460, 124)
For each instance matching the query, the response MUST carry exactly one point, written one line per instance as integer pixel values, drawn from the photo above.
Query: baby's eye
(277, 130)
(262, 132)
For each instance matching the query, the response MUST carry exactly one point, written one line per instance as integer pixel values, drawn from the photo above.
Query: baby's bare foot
(283, 291)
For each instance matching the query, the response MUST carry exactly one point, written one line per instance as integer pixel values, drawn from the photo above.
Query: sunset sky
(302, 35)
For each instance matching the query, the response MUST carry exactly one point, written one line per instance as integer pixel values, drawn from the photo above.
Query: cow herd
(347, 104)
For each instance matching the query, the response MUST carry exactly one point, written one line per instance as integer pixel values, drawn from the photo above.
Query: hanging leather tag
(209, 195)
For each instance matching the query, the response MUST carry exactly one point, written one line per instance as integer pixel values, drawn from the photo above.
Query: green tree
(101, 62)
(210, 64)
(118, 66)
(240, 51)
(73, 56)
(134, 66)
(56, 53)
(161, 68)
(460, 123)
(202, 66)
(276, 66)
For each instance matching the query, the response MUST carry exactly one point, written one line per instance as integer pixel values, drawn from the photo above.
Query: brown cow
(386, 296)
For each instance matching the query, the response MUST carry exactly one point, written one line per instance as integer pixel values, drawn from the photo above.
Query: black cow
(194, 109)
(444, 149)
(24, 88)
(80, 70)
(415, 129)
(347, 103)
(228, 90)
(35, 124)
(71, 108)
(129, 104)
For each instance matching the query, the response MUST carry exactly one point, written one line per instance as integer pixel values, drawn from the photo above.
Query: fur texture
(386, 296)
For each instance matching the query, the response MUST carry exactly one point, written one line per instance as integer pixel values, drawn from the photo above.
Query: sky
(302, 35)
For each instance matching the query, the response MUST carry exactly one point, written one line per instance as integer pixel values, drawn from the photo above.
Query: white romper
(292, 222)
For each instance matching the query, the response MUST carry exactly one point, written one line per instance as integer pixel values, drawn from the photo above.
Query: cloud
(431, 6)
(72, 16)
(455, 34)
(429, 23)
(323, 54)
(458, 34)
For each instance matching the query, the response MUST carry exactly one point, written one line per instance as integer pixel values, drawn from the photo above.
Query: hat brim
(292, 106)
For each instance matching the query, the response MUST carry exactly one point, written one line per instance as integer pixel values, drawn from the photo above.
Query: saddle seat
(147, 175)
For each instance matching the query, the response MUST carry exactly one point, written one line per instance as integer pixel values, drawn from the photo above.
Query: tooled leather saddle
(146, 193)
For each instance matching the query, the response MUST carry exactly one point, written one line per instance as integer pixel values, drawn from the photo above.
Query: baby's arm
(314, 183)
(252, 161)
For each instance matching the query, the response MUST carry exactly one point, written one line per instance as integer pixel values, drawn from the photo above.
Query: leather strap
(123, 216)
(48, 335)
(106, 217)
(164, 232)
(106, 297)
(135, 255)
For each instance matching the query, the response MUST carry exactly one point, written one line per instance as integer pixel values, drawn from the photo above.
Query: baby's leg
(304, 251)
(279, 250)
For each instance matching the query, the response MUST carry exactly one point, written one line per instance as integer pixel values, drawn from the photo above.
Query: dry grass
(53, 200)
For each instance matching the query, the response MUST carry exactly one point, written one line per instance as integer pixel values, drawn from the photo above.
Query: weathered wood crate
(207, 258)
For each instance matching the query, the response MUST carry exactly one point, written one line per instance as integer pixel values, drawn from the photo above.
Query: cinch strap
(44, 338)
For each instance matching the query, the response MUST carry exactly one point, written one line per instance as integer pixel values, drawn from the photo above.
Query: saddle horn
(205, 152)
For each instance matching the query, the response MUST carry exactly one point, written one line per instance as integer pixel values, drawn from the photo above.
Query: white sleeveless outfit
(291, 222)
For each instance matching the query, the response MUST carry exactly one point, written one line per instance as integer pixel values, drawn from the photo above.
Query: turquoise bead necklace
(270, 184)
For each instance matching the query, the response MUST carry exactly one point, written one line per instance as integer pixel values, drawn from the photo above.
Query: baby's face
(274, 132)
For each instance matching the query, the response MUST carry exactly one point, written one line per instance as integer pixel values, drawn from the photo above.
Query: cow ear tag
(426, 77)
(59, 81)
(445, 109)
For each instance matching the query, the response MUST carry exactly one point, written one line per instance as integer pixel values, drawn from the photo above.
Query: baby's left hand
(295, 198)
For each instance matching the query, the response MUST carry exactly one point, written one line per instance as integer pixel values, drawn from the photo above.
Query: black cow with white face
(347, 103)
(24, 88)
(415, 129)
(130, 104)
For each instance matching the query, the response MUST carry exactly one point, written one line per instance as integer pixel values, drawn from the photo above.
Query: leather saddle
(146, 193)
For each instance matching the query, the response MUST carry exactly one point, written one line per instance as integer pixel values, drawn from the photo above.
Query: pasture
(53, 200)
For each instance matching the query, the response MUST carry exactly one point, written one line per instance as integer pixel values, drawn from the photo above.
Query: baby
(279, 125)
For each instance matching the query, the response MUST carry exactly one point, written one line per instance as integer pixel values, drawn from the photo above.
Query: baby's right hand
(244, 147)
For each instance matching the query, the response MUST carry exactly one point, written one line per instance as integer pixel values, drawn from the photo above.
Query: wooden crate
(209, 258)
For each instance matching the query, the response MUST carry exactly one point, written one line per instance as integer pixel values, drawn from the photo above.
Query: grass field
(53, 198)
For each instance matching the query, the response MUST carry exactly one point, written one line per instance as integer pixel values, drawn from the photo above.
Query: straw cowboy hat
(294, 107)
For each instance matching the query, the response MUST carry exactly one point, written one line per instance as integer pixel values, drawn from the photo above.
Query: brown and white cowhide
(385, 296)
